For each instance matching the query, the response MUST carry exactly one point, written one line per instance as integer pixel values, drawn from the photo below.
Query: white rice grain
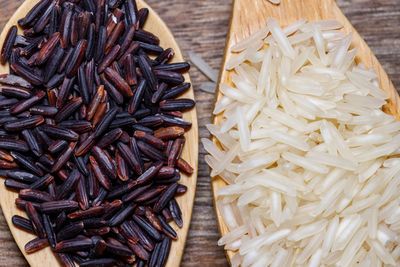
(204, 67)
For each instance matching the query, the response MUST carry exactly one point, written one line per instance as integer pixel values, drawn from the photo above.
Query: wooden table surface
(201, 26)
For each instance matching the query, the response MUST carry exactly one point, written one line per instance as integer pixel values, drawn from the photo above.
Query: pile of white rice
(310, 157)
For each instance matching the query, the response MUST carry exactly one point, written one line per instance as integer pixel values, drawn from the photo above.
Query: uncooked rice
(310, 159)
(209, 72)
(276, 2)
(208, 87)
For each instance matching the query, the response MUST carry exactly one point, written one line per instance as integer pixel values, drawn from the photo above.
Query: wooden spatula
(249, 16)
(45, 257)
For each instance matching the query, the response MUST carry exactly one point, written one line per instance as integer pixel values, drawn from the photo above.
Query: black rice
(91, 134)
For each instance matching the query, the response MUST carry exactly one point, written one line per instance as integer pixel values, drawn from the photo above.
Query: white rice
(311, 160)
(204, 67)
(276, 2)
(208, 87)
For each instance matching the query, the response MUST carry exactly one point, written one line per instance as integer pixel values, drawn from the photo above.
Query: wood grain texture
(201, 26)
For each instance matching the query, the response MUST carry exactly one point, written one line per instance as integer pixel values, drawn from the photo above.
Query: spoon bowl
(249, 16)
(45, 257)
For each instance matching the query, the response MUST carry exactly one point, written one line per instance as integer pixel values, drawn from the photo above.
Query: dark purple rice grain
(35, 219)
(115, 78)
(159, 93)
(79, 126)
(131, 13)
(167, 229)
(175, 121)
(147, 72)
(150, 195)
(49, 230)
(12, 80)
(47, 49)
(175, 212)
(100, 175)
(13, 91)
(58, 206)
(16, 145)
(164, 252)
(81, 194)
(64, 91)
(65, 26)
(98, 248)
(74, 29)
(109, 58)
(68, 109)
(60, 132)
(81, 164)
(28, 74)
(122, 215)
(70, 231)
(130, 157)
(42, 182)
(15, 185)
(36, 245)
(58, 146)
(142, 16)
(65, 260)
(72, 245)
(112, 91)
(110, 209)
(135, 193)
(144, 239)
(32, 142)
(147, 227)
(55, 81)
(26, 163)
(151, 48)
(146, 37)
(83, 87)
(138, 250)
(155, 255)
(68, 185)
(100, 44)
(94, 223)
(85, 214)
(167, 214)
(23, 223)
(141, 263)
(104, 262)
(8, 44)
(97, 231)
(109, 138)
(153, 219)
(43, 110)
(44, 19)
(8, 102)
(176, 91)
(76, 59)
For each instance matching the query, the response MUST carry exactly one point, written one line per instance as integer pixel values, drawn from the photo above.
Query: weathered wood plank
(201, 26)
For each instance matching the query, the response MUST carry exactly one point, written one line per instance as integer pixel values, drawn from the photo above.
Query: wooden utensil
(45, 257)
(248, 16)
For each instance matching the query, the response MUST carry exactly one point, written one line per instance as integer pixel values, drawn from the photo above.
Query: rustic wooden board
(201, 26)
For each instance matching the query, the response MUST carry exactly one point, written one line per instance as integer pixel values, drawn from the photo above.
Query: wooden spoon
(249, 16)
(46, 257)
